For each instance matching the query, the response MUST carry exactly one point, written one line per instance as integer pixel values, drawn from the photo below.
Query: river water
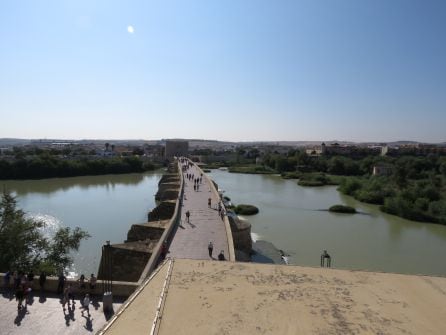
(105, 206)
(291, 218)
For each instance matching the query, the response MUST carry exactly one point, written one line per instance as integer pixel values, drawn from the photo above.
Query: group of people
(197, 181)
(190, 176)
(68, 294)
(221, 211)
(22, 285)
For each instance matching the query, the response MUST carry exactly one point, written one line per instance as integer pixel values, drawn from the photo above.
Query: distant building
(176, 148)
(382, 170)
(318, 150)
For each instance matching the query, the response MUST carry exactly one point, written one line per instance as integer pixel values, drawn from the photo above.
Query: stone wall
(169, 178)
(241, 234)
(144, 231)
(163, 211)
(128, 260)
(131, 258)
(167, 194)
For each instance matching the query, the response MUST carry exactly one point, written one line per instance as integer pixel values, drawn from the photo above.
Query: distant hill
(7, 142)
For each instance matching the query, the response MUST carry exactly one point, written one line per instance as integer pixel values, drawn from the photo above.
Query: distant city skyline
(252, 70)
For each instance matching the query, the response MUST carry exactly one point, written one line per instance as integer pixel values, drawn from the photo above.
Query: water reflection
(47, 186)
(105, 206)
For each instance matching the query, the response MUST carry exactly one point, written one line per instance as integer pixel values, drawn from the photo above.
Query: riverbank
(42, 167)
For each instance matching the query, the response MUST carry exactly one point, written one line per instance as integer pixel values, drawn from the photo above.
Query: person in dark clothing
(19, 295)
(16, 280)
(6, 279)
(164, 250)
(30, 278)
(81, 281)
(221, 256)
(42, 280)
(61, 283)
(93, 281)
(325, 256)
(210, 249)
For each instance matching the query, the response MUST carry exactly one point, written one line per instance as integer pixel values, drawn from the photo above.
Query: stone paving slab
(44, 315)
(191, 239)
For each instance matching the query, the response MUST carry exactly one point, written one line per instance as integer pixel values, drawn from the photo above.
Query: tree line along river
(291, 217)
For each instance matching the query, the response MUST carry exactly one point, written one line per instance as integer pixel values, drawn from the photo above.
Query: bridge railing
(155, 257)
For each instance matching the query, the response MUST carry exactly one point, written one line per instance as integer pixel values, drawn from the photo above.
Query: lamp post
(107, 266)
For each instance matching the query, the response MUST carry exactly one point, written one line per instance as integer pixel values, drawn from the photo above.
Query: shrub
(314, 179)
(310, 183)
(246, 209)
(342, 209)
(349, 186)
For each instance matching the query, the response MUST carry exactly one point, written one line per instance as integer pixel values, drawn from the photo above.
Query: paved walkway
(192, 238)
(44, 315)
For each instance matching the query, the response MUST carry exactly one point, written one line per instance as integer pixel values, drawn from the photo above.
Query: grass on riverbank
(252, 169)
(318, 179)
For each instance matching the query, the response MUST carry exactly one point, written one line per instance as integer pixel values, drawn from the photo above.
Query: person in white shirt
(86, 305)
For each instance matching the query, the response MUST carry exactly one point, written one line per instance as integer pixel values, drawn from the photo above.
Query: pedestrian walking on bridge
(210, 249)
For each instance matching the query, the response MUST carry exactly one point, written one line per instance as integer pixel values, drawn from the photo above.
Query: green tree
(21, 242)
(64, 241)
(23, 245)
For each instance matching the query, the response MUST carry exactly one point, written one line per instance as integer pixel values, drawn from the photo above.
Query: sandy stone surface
(211, 297)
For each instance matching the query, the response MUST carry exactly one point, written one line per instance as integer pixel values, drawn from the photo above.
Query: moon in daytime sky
(130, 29)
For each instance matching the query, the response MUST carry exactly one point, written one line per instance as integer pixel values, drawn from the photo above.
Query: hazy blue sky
(229, 70)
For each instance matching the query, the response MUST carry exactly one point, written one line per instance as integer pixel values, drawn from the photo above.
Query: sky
(236, 70)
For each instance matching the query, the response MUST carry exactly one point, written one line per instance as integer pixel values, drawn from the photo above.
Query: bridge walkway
(205, 225)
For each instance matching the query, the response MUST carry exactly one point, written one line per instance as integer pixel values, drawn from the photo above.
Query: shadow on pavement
(20, 315)
(42, 298)
(88, 323)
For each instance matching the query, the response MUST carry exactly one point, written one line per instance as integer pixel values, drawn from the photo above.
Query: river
(105, 206)
(292, 218)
